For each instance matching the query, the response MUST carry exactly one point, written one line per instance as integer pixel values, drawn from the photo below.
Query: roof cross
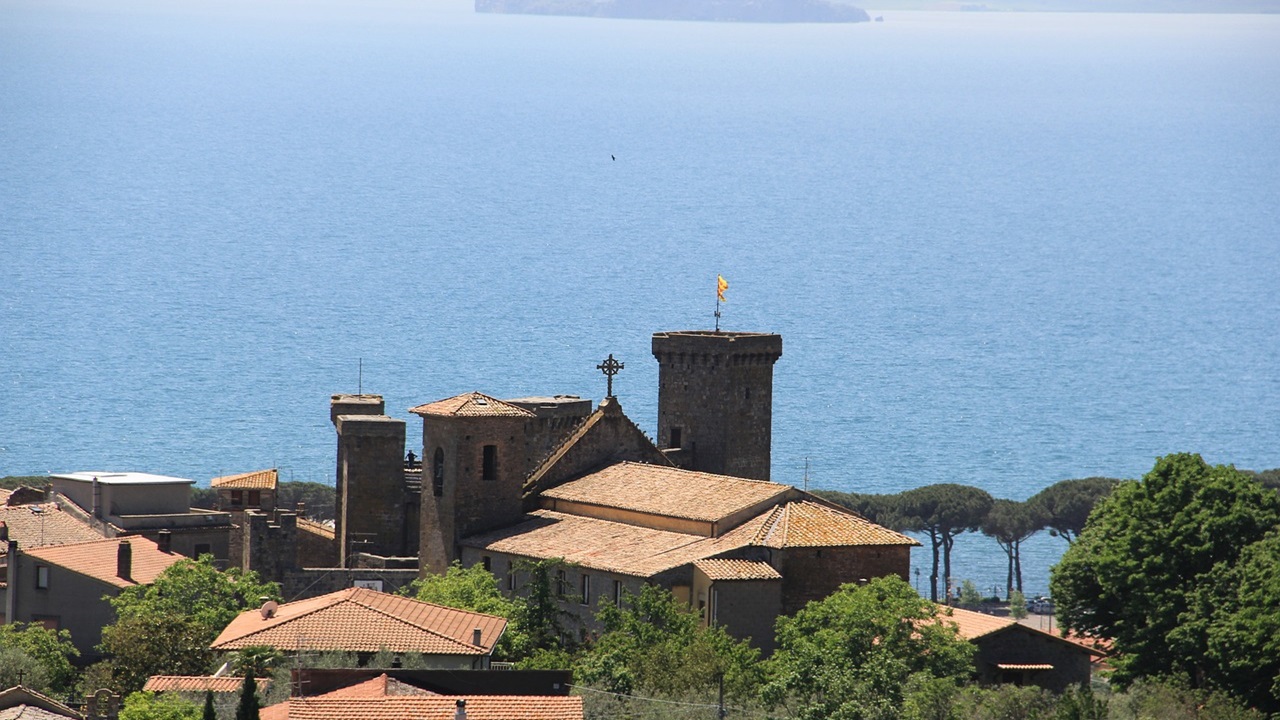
(610, 367)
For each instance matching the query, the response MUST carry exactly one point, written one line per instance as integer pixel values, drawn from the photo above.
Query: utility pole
(722, 713)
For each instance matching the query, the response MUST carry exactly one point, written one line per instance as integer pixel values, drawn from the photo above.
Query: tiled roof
(735, 569)
(667, 491)
(31, 712)
(1024, 666)
(316, 528)
(381, 686)
(598, 544)
(21, 703)
(363, 620)
(4, 495)
(256, 480)
(439, 707)
(48, 525)
(471, 404)
(97, 559)
(973, 625)
(200, 683)
(806, 523)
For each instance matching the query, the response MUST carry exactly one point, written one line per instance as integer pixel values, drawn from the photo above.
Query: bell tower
(715, 400)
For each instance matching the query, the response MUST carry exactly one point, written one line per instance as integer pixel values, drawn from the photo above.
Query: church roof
(257, 480)
(22, 703)
(472, 404)
(363, 620)
(737, 569)
(598, 544)
(668, 491)
(807, 523)
(97, 559)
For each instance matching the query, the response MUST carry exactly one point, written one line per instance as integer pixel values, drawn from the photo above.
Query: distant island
(764, 11)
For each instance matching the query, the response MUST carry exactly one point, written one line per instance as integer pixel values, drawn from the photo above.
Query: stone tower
(371, 496)
(715, 400)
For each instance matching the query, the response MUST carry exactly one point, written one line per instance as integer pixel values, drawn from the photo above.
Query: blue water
(1003, 249)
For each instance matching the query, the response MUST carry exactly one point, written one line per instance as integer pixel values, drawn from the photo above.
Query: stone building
(1012, 653)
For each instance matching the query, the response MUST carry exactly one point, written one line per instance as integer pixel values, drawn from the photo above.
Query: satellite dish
(269, 609)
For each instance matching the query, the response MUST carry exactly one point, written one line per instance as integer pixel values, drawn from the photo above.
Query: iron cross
(610, 367)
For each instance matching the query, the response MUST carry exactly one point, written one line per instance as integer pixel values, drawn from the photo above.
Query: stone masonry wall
(371, 481)
(814, 573)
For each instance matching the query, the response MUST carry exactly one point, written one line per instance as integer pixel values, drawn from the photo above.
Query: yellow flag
(721, 286)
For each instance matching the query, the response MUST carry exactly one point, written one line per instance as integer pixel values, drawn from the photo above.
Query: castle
(536, 478)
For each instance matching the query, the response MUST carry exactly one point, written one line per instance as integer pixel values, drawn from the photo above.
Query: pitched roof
(44, 524)
(472, 404)
(200, 683)
(807, 523)
(599, 544)
(381, 686)
(316, 528)
(479, 707)
(256, 480)
(22, 703)
(668, 491)
(973, 625)
(97, 559)
(363, 620)
(736, 569)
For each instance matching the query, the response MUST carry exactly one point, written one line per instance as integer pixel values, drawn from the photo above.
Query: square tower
(715, 400)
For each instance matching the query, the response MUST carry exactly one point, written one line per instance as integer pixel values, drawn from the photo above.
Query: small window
(42, 577)
(255, 497)
(617, 593)
(561, 584)
(437, 473)
(715, 605)
(487, 563)
(511, 578)
(490, 471)
(675, 438)
(585, 589)
(237, 497)
(203, 549)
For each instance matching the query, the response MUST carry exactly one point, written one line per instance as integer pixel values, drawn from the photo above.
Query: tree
(319, 498)
(208, 713)
(853, 655)
(162, 644)
(1066, 505)
(1009, 523)
(165, 706)
(51, 650)
(248, 707)
(19, 668)
(1145, 553)
(656, 645)
(256, 660)
(942, 512)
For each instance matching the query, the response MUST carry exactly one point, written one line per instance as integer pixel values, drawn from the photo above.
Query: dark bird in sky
(611, 157)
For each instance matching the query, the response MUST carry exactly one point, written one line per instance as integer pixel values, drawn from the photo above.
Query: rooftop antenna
(806, 474)
(360, 382)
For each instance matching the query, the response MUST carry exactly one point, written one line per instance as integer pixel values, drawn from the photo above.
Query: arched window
(437, 473)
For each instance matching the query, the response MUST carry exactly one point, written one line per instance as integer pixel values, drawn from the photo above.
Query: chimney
(97, 499)
(4, 531)
(124, 560)
(164, 540)
(475, 637)
(461, 712)
(301, 509)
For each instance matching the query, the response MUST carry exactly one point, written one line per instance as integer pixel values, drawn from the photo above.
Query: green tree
(1017, 605)
(539, 614)
(319, 498)
(256, 660)
(1147, 551)
(50, 649)
(19, 668)
(208, 712)
(248, 707)
(1009, 523)
(654, 645)
(165, 706)
(1066, 504)
(942, 512)
(853, 655)
(162, 644)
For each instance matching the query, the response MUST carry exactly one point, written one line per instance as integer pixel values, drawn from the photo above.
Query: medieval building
(502, 481)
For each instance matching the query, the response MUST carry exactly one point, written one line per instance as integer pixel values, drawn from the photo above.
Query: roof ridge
(429, 631)
(557, 452)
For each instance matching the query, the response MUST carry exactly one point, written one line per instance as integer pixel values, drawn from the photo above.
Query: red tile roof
(735, 569)
(256, 480)
(438, 707)
(48, 525)
(200, 683)
(806, 523)
(471, 404)
(97, 559)
(668, 491)
(973, 625)
(362, 620)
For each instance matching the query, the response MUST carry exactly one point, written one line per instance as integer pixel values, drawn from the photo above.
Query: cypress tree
(209, 713)
(248, 707)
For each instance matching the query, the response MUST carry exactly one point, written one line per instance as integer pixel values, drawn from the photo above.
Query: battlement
(709, 346)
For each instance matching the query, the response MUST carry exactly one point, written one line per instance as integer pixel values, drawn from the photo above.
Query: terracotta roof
(973, 625)
(471, 404)
(381, 686)
(256, 480)
(806, 523)
(4, 495)
(97, 559)
(1024, 666)
(21, 703)
(667, 491)
(439, 707)
(199, 683)
(734, 569)
(599, 544)
(48, 525)
(363, 620)
(316, 528)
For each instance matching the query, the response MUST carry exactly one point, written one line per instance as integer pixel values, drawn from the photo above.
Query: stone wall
(1025, 646)
(306, 583)
(814, 573)
(371, 482)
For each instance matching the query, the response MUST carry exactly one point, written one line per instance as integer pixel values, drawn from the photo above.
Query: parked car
(1040, 606)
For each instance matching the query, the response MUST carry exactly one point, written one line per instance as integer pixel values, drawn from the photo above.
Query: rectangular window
(255, 497)
(617, 593)
(675, 437)
(585, 588)
(561, 584)
(487, 563)
(715, 605)
(203, 549)
(490, 470)
(50, 622)
(237, 497)
(511, 578)
(42, 577)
